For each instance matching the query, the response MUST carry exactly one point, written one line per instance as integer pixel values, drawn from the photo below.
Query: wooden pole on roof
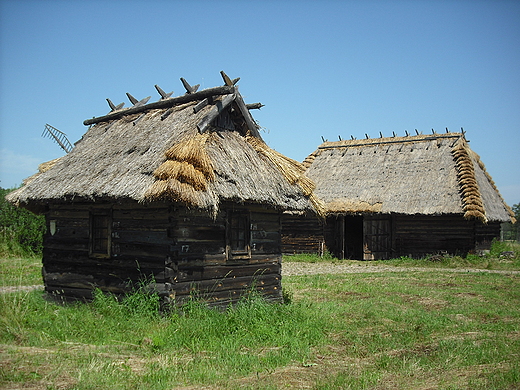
(166, 103)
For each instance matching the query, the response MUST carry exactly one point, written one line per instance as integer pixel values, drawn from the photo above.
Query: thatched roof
(200, 149)
(424, 174)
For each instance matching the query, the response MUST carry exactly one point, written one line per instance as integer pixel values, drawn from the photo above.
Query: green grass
(20, 271)
(492, 260)
(403, 330)
(129, 344)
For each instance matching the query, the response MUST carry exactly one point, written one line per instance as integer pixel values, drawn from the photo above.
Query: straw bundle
(186, 171)
(291, 169)
(192, 150)
(481, 165)
(473, 206)
(310, 159)
(183, 172)
(173, 189)
(44, 167)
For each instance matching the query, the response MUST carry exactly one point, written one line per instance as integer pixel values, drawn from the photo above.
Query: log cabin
(181, 193)
(398, 196)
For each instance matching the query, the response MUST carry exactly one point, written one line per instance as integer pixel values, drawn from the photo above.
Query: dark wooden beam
(189, 89)
(132, 99)
(138, 119)
(227, 80)
(251, 125)
(254, 106)
(200, 105)
(163, 94)
(166, 114)
(136, 102)
(166, 103)
(214, 112)
(113, 107)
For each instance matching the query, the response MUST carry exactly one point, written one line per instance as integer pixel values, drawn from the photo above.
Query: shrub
(21, 232)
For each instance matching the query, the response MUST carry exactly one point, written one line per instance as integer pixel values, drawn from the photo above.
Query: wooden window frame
(243, 229)
(100, 233)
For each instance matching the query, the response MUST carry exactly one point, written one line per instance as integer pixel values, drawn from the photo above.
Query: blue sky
(322, 69)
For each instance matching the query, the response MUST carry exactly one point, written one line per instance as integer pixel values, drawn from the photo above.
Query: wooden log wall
(485, 233)
(139, 247)
(183, 250)
(205, 269)
(302, 234)
(417, 236)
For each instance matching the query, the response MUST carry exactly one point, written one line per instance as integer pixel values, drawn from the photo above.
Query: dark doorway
(353, 244)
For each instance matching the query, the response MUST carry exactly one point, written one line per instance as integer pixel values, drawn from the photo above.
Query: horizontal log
(70, 294)
(226, 284)
(166, 103)
(190, 273)
(68, 214)
(139, 237)
(254, 106)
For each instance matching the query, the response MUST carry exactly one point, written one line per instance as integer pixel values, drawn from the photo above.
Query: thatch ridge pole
(379, 141)
(166, 103)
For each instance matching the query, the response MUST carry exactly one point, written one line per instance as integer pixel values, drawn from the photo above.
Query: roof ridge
(387, 140)
(163, 103)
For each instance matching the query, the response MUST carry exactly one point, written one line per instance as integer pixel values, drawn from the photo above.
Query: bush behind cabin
(21, 232)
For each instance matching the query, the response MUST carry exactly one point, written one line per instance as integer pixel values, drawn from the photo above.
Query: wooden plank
(68, 214)
(223, 299)
(70, 294)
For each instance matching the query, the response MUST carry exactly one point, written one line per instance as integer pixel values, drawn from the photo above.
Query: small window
(239, 235)
(100, 233)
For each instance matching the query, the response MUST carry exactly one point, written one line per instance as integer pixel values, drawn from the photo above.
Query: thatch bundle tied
(473, 206)
(186, 171)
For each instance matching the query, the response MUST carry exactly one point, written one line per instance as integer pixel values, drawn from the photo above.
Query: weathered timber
(222, 299)
(189, 89)
(191, 273)
(226, 284)
(200, 105)
(218, 107)
(166, 103)
(163, 94)
(254, 106)
(169, 244)
(251, 125)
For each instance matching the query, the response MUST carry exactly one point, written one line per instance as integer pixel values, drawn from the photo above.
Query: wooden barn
(181, 192)
(398, 196)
